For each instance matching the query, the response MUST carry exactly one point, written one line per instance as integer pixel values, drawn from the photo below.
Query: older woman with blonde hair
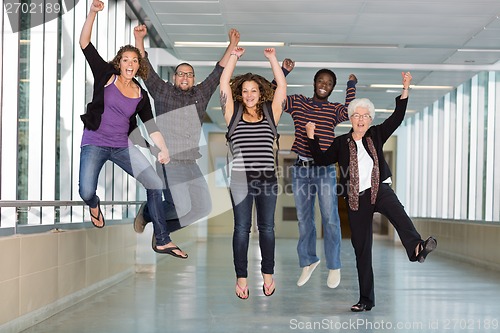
(365, 180)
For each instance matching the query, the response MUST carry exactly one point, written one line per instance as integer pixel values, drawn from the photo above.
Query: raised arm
(155, 84)
(86, 33)
(286, 67)
(226, 94)
(280, 92)
(396, 118)
(140, 33)
(350, 92)
(406, 84)
(234, 39)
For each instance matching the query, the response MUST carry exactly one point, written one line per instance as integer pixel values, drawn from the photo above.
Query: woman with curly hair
(253, 177)
(110, 126)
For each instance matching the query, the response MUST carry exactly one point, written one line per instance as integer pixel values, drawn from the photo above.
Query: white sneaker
(333, 280)
(306, 273)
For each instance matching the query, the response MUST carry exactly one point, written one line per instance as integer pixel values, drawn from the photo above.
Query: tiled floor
(197, 295)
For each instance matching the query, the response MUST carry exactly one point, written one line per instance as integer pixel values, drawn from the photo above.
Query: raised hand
(238, 51)
(269, 52)
(140, 31)
(234, 37)
(96, 6)
(353, 77)
(310, 127)
(406, 79)
(288, 64)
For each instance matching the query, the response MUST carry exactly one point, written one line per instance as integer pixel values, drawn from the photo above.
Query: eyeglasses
(365, 116)
(182, 74)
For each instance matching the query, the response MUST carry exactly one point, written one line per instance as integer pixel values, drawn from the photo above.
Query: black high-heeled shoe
(361, 307)
(426, 247)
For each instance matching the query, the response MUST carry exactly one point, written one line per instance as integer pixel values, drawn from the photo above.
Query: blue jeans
(186, 194)
(243, 195)
(307, 182)
(133, 162)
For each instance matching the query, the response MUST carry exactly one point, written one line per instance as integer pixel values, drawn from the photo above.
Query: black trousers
(361, 224)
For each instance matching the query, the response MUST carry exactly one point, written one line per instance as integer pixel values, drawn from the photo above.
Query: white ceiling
(374, 39)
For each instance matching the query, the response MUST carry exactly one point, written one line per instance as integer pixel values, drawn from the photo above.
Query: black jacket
(102, 71)
(339, 150)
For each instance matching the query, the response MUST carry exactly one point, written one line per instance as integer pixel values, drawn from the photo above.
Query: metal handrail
(26, 205)
(59, 203)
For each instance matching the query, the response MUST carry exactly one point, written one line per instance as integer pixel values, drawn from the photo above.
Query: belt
(304, 163)
(183, 162)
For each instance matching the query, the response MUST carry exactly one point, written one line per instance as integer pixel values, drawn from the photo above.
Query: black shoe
(139, 221)
(426, 247)
(360, 307)
(153, 241)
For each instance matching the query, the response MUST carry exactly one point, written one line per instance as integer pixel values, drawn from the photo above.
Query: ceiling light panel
(396, 86)
(191, 19)
(225, 44)
(348, 46)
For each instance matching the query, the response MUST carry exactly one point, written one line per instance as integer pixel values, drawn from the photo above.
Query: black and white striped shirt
(253, 147)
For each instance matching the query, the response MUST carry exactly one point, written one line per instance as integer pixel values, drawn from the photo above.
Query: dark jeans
(133, 162)
(243, 196)
(361, 223)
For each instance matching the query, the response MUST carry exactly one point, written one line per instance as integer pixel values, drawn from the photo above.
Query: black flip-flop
(170, 250)
(265, 286)
(98, 217)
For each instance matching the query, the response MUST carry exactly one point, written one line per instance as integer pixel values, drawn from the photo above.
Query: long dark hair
(143, 70)
(265, 88)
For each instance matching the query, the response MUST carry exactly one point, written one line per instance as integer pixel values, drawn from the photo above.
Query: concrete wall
(42, 272)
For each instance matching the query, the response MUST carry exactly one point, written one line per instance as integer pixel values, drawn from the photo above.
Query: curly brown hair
(143, 70)
(265, 88)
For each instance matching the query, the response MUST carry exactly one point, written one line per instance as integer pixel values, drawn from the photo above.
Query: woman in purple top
(111, 126)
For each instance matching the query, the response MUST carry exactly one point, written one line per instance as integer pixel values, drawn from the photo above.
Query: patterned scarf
(354, 174)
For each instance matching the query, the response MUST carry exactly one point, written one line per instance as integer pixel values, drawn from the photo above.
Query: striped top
(326, 115)
(253, 147)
